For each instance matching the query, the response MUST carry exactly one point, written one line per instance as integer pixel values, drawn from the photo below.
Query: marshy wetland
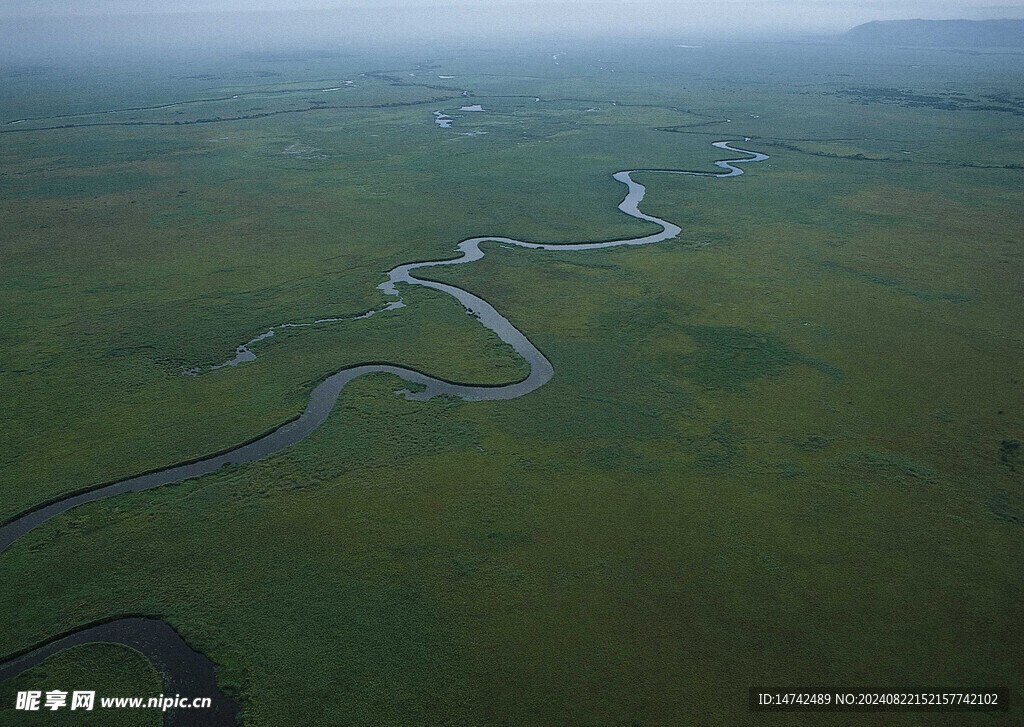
(778, 448)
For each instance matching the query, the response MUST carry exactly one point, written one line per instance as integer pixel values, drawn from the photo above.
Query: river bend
(191, 674)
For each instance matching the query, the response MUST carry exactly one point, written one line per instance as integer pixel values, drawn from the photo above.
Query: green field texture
(778, 450)
(110, 670)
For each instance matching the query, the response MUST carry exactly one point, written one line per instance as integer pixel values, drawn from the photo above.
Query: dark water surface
(183, 671)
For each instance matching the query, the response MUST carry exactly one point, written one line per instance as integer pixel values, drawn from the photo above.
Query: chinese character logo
(83, 700)
(56, 699)
(28, 701)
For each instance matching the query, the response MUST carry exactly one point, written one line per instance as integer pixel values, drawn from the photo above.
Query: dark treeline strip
(222, 119)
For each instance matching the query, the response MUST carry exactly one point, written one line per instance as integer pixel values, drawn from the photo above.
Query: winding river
(182, 670)
(168, 651)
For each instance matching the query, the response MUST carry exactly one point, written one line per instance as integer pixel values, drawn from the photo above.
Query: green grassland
(779, 450)
(108, 669)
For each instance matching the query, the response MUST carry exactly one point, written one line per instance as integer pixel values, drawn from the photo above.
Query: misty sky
(840, 11)
(51, 28)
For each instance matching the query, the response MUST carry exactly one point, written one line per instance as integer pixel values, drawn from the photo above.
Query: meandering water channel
(158, 641)
(182, 671)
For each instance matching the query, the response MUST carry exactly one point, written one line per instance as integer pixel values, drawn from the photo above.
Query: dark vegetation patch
(789, 469)
(610, 393)
(1009, 453)
(940, 100)
(722, 448)
(652, 315)
(729, 358)
(927, 295)
(894, 468)
(862, 157)
(500, 541)
(812, 443)
(1007, 507)
(621, 458)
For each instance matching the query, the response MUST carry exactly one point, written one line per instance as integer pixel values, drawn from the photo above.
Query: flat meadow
(781, 449)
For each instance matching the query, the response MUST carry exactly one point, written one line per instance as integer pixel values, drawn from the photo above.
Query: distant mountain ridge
(940, 33)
